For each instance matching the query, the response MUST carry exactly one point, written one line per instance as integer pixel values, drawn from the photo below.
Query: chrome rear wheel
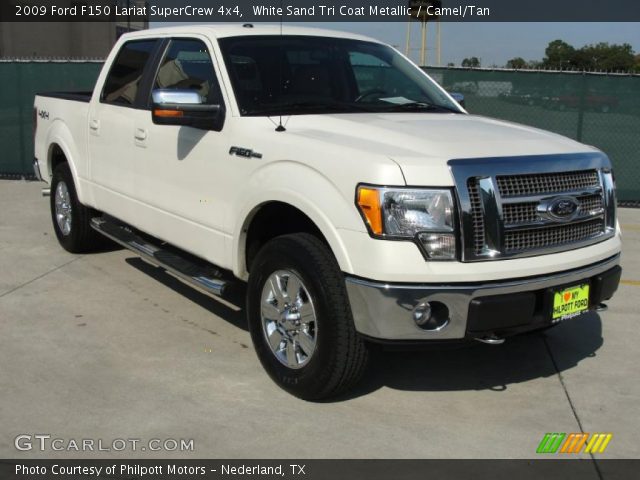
(63, 208)
(70, 218)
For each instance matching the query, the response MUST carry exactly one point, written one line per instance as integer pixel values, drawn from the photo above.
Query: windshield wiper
(421, 106)
(299, 107)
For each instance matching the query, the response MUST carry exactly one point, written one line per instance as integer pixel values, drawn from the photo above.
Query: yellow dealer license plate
(570, 302)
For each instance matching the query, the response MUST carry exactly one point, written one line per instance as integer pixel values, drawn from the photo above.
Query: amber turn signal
(168, 113)
(369, 203)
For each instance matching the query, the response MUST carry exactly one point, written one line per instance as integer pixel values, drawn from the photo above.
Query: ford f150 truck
(355, 197)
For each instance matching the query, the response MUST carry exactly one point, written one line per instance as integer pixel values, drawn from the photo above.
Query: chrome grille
(510, 210)
(523, 240)
(545, 183)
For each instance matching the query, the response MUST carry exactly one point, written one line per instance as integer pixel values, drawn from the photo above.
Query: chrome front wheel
(300, 319)
(288, 319)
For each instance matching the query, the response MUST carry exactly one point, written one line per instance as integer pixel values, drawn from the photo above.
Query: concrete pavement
(104, 346)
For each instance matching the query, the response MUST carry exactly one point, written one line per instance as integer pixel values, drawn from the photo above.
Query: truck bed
(65, 114)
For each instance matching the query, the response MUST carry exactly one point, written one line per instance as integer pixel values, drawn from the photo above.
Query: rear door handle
(94, 124)
(141, 134)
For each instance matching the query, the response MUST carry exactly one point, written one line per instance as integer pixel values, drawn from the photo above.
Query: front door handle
(141, 134)
(94, 125)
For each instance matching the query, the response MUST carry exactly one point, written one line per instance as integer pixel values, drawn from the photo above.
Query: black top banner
(244, 11)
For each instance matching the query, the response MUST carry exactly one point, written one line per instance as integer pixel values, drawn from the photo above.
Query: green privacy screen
(19, 82)
(600, 110)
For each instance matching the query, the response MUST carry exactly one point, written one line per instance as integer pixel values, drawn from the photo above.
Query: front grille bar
(525, 215)
(595, 190)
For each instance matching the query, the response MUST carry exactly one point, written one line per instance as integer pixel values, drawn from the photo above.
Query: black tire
(340, 356)
(81, 238)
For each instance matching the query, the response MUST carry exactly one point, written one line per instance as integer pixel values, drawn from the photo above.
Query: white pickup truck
(359, 201)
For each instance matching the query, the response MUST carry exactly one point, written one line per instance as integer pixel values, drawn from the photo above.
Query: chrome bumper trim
(382, 310)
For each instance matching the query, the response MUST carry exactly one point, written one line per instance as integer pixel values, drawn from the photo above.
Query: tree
(472, 62)
(517, 63)
(559, 54)
(451, 64)
(599, 56)
(603, 56)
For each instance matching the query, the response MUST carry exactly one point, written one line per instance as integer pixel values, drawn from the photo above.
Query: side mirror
(184, 107)
(458, 97)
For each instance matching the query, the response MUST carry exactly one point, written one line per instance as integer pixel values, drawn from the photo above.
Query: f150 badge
(244, 152)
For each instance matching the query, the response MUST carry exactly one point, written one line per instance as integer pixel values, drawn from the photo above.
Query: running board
(200, 274)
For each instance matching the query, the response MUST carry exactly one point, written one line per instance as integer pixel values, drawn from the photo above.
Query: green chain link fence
(600, 110)
(596, 109)
(19, 82)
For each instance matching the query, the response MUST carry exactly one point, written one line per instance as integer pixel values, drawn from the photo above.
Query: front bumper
(384, 311)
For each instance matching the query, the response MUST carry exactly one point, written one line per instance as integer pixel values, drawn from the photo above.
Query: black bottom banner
(583, 469)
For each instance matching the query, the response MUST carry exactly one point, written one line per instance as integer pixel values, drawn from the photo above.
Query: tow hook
(602, 307)
(490, 339)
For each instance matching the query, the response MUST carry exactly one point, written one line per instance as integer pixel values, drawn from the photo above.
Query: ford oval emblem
(561, 209)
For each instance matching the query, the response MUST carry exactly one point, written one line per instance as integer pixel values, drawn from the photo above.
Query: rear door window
(123, 81)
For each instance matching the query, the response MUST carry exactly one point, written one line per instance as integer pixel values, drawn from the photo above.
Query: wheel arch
(61, 148)
(298, 217)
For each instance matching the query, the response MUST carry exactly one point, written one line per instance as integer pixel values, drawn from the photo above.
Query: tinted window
(121, 86)
(187, 66)
(298, 74)
(374, 74)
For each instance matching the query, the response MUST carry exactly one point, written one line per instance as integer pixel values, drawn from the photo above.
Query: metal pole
(423, 47)
(581, 107)
(439, 44)
(407, 48)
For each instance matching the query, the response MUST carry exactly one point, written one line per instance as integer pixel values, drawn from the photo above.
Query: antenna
(280, 127)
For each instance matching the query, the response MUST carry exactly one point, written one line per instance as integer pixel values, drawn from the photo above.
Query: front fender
(306, 189)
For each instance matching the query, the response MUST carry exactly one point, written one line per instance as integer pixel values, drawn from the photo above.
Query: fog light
(439, 246)
(422, 314)
(431, 316)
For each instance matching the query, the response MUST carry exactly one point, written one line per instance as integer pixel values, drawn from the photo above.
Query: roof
(235, 30)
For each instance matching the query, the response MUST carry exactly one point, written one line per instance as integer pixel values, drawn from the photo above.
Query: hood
(422, 143)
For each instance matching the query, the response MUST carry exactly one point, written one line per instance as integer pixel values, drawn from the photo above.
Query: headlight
(424, 215)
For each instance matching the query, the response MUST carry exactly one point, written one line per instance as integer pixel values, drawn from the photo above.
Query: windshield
(292, 75)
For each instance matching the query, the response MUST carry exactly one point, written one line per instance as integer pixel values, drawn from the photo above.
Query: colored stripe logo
(574, 443)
